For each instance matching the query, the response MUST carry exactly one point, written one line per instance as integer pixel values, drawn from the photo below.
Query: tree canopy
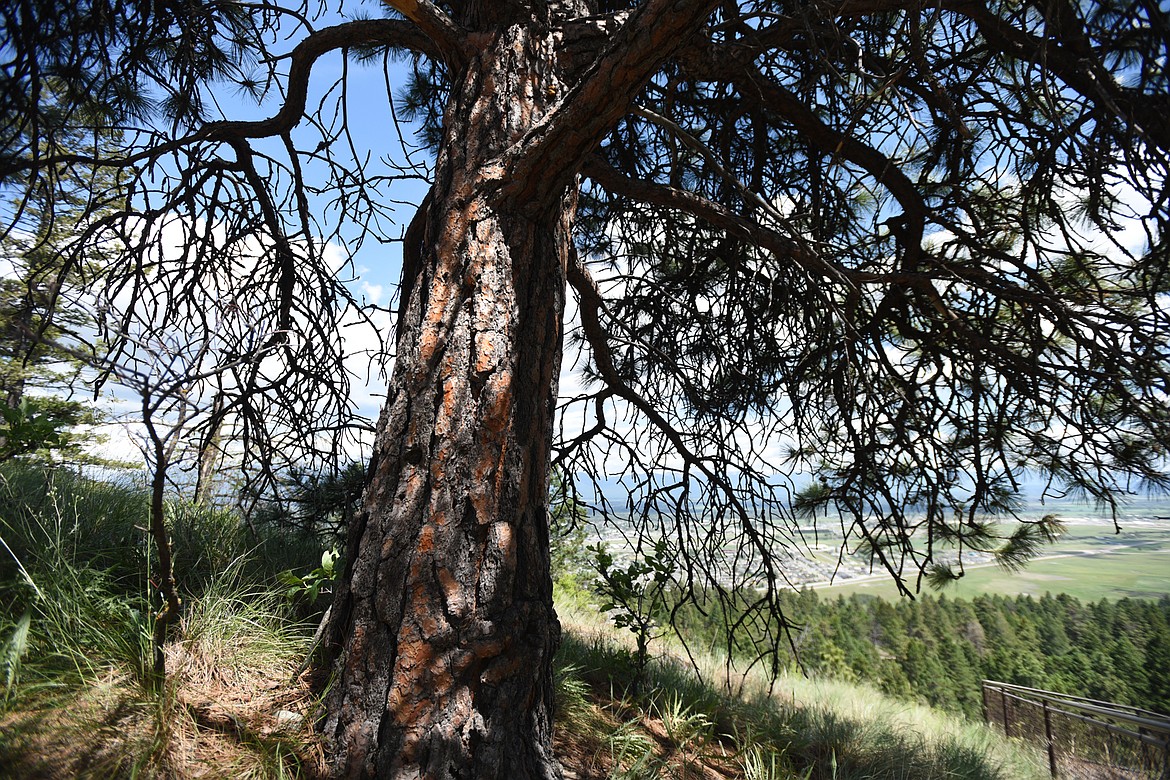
(878, 260)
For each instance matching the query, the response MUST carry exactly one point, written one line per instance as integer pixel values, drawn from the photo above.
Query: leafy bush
(310, 585)
(635, 594)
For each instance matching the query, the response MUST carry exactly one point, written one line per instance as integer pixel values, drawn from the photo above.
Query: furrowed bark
(443, 628)
(443, 623)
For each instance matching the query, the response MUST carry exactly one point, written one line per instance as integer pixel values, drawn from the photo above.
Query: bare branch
(365, 32)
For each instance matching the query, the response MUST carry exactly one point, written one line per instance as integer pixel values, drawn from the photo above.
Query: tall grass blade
(14, 649)
(23, 571)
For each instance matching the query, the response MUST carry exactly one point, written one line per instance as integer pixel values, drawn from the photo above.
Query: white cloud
(372, 292)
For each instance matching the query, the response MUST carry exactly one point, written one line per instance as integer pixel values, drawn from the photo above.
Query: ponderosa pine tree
(915, 250)
(40, 256)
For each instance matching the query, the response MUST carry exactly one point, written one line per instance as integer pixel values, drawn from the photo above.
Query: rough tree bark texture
(447, 627)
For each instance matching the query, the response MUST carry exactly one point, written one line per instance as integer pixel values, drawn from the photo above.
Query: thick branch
(366, 32)
(545, 157)
(710, 63)
(393, 33)
(1145, 112)
(733, 224)
(437, 26)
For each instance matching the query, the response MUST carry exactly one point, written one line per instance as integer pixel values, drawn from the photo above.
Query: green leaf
(15, 649)
(328, 561)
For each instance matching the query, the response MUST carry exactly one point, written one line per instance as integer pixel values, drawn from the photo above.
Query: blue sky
(373, 271)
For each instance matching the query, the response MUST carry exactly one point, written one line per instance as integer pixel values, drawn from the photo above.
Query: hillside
(234, 709)
(936, 649)
(698, 716)
(75, 605)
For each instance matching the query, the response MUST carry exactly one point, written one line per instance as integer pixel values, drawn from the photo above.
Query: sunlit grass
(74, 638)
(75, 615)
(796, 727)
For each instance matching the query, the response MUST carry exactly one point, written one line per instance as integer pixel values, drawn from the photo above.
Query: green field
(1093, 564)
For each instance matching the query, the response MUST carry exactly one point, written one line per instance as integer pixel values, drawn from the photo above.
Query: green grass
(74, 614)
(1096, 564)
(50, 515)
(78, 704)
(76, 607)
(230, 676)
(796, 728)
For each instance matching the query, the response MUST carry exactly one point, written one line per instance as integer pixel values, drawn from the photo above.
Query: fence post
(1007, 730)
(1126, 740)
(1051, 742)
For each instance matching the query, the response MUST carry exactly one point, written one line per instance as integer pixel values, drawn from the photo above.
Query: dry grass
(238, 715)
(622, 741)
(230, 707)
(218, 718)
(97, 731)
(232, 710)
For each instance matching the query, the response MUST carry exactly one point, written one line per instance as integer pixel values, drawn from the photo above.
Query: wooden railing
(1085, 739)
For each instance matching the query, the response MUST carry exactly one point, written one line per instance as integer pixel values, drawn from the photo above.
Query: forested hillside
(937, 649)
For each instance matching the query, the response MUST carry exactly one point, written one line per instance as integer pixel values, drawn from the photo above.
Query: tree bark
(209, 458)
(443, 622)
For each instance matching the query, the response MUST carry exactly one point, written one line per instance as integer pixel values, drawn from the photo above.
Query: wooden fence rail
(1085, 739)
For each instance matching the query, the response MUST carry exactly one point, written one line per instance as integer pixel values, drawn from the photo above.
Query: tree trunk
(443, 625)
(21, 328)
(209, 456)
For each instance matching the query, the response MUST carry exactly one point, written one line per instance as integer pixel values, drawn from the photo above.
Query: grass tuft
(230, 707)
(75, 569)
